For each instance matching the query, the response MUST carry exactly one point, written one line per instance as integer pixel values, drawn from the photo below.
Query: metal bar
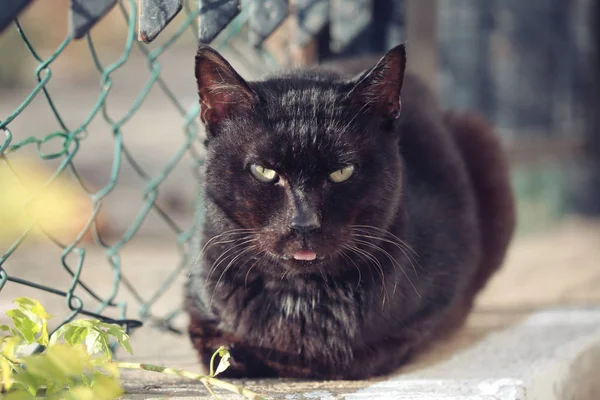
(214, 16)
(422, 47)
(10, 10)
(154, 17)
(84, 14)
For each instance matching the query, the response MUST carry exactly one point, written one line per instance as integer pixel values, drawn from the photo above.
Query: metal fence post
(421, 32)
(590, 192)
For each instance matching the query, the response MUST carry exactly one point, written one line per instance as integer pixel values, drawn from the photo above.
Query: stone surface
(552, 355)
(537, 359)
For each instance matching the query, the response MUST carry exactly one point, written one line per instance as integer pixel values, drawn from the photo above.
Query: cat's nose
(305, 223)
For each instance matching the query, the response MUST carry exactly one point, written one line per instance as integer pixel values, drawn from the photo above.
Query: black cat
(345, 228)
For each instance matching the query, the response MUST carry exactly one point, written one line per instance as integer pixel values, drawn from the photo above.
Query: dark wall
(512, 60)
(530, 66)
(590, 190)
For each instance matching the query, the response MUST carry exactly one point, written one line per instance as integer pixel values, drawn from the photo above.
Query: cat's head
(301, 163)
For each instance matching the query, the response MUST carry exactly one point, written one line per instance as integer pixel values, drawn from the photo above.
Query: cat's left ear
(221, 89)
(379, 88)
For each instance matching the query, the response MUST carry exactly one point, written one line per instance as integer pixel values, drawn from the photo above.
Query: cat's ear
(221, 89)
(378, 89)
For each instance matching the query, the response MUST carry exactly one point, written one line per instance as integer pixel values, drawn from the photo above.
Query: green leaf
(76, 334)
(97, 342)
(9, 345)
(6, 328)
(43, 339)
(19, 395)
(94, 334)
(104, 344)
(30, 318)
(60, 366)
(92, 344)
(24, 324)
(73, 332)
(29, 382)
(64, 370)
(122, 338)
(34, 306)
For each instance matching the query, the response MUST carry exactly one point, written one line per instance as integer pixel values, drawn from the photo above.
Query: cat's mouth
(303, 255)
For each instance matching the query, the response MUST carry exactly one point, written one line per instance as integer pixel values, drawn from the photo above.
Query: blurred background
(100, 168)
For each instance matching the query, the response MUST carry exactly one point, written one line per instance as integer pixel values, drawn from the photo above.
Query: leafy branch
(77, 360)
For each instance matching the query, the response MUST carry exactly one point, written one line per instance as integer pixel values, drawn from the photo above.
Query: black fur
(403, 245)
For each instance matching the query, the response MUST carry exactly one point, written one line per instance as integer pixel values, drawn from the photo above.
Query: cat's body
(400, 247)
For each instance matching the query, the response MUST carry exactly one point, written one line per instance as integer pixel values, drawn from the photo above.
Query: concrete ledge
(551, 355)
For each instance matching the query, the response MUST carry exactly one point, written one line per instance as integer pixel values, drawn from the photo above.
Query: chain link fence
(60, 149)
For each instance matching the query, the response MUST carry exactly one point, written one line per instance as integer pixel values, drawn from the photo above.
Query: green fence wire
(71, 138)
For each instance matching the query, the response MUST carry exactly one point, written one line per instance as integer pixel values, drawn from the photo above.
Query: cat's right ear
(378, 89)
(221, 89)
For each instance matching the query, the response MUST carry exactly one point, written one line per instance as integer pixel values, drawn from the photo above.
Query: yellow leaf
(60, 207)
(81, 393)
(106, 388)
(8, 346)
(6, 373)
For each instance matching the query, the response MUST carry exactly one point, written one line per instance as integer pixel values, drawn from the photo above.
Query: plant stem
(206, 380)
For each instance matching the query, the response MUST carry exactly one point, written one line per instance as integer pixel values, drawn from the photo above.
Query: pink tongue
(305, 255)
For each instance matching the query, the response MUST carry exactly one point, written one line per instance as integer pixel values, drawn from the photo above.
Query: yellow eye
(263, 174)
(342, 175)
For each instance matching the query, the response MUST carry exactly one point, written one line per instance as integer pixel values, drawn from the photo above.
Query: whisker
(250, 269)
(362, 257)
(347, 257)
(224, 255)
(227, 233)
(241, 267)
(244, 240)
(373, 261)
(210, 241)
(408, 256)
(231, 263)
(376, 228)
(389, 256)
(406, 249)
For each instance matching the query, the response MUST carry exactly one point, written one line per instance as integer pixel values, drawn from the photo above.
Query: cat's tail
(489, 173)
